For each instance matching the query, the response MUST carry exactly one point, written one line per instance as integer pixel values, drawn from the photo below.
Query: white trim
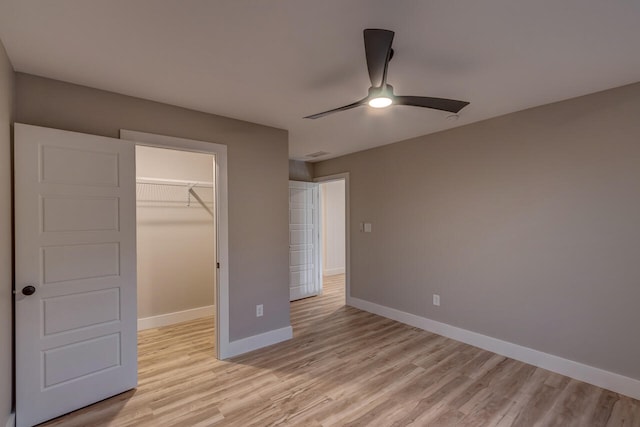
(347, 226)
(11, 421)
(175, 317)
(222, 219)
(579, 371)
(333, 271)
(255, 342)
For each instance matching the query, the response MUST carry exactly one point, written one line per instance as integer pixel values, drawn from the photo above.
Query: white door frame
(347, 227)
(219, 151)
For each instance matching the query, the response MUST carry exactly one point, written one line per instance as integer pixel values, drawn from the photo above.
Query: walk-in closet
(175, 237)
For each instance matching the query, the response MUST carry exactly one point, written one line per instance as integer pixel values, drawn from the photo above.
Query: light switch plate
(367, 227)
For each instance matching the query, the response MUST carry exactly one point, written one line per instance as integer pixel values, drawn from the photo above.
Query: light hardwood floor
(346, 367)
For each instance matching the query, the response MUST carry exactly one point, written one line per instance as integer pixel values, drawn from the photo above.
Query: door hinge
(217, 265)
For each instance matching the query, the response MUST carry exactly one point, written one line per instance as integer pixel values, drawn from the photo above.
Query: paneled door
(304, 236)
(75, 271)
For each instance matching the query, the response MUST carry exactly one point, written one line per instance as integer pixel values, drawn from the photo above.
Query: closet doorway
(182, 247)
(175, 223)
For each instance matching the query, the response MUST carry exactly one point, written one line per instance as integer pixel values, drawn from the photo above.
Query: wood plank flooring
(345, 367)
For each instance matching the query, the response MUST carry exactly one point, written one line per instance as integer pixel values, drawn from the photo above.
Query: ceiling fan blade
(335, 110)
(377, 47)
(450, 105)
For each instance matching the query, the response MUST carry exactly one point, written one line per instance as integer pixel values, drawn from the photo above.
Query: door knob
(29, 290)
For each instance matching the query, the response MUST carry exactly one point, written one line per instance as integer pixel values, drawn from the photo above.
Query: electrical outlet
(259, 310)
(436, 299)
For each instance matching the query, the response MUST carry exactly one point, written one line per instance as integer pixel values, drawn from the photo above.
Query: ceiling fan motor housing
(384, 91)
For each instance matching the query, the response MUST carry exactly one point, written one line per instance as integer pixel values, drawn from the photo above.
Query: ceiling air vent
(317, 154)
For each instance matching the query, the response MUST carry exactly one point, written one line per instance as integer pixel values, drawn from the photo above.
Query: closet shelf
(157, 192)
(173, 182)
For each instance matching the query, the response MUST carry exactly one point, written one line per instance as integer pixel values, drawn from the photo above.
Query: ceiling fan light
(380, 102)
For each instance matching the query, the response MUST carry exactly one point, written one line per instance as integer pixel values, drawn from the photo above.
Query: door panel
(97, 214)
(304, 237)
(79, 359)
(68, 165)
(96, 260)
(75, 212)
(88, 308)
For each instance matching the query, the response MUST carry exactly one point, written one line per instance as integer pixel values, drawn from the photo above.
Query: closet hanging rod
(174, 182)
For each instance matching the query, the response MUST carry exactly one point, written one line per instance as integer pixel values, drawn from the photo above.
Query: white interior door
(304, 236)
(75, 271)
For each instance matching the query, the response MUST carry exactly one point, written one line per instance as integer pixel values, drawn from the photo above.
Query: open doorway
(176, 251)
(319, 259)
(219, 261)
(319, 238)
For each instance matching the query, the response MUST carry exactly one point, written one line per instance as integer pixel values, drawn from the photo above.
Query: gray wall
(300, 171)
(258, 171)
(6, 111)
(527, 225)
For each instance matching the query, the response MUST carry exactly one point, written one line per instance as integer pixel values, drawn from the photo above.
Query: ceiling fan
(377, 46)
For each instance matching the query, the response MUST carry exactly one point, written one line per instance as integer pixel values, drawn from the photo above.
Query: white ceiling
(273, 62)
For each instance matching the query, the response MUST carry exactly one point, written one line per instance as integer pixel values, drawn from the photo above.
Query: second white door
(304, 236)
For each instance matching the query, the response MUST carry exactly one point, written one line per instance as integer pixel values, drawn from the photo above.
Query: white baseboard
(175, 317)
(333, 271)
(255, 342)
(579, 371)
(11, 421)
